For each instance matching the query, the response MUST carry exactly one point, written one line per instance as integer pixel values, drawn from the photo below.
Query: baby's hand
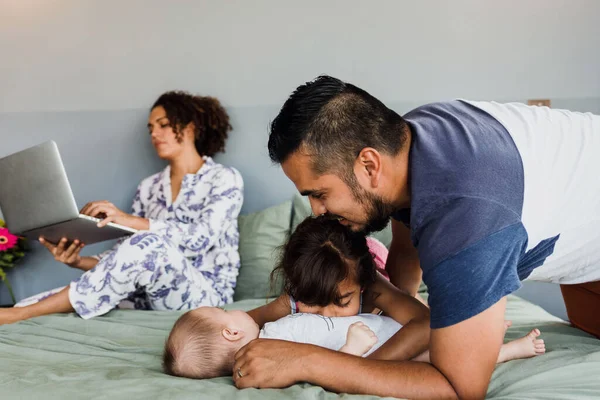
(360, 339)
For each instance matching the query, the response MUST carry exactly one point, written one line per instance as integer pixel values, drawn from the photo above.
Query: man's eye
(317, 195)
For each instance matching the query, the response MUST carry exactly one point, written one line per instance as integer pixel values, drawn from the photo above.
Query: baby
(203, 342)
(332, 297)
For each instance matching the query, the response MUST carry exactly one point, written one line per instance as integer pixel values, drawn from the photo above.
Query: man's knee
(582, 302)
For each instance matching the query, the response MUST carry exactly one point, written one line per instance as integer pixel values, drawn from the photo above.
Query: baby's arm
(278, 308)
(360, 340)
(413, 338)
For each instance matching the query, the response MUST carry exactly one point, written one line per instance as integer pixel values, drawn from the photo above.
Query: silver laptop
(36, 199)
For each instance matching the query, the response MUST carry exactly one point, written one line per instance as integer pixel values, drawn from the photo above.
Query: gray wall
(84, 74)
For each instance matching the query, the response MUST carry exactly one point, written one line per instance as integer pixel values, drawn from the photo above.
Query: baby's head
(203, 342)
(325, 266)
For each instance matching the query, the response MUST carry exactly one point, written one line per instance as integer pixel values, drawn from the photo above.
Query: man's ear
(232, 335)
(368, 167)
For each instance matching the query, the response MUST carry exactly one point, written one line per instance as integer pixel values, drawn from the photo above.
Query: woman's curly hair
(211, 122)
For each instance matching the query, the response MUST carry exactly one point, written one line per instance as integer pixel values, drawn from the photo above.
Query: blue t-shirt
(467, 189)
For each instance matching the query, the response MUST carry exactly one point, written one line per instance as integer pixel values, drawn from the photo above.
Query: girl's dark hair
(318, 256)
(211, 122)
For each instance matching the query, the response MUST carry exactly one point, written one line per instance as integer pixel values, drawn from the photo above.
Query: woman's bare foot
(525, 347)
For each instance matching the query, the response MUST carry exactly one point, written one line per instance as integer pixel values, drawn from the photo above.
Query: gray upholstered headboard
(106, 154)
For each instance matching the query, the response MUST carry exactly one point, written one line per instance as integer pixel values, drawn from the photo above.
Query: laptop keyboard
(96, 220)
(89, 218)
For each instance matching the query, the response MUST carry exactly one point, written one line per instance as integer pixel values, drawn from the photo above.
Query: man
(482, 196)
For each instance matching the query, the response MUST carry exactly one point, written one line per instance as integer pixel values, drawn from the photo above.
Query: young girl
(329, 270)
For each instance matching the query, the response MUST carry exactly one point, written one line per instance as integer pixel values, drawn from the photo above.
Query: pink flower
(7, 240)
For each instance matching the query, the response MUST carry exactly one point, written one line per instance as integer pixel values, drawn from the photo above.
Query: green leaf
(10, 290)
(2, 274)
(5, 264)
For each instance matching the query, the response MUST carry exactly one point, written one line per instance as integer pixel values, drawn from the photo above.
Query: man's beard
(378, 211)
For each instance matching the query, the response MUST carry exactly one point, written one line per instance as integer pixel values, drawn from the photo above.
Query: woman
(186, 251)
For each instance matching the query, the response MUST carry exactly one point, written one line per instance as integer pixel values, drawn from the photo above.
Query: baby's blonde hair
(197, 349)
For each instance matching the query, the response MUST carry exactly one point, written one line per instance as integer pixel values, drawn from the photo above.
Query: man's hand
(360, 340)
(269, 363)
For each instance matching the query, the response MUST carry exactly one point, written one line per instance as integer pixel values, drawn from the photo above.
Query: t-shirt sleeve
(469, 250)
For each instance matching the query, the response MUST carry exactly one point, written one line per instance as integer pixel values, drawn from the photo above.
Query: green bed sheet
(117, 356)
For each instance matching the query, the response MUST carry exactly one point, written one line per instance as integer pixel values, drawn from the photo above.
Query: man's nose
(318, 207)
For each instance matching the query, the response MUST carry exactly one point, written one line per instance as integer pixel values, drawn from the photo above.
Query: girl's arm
(413, 338)
(278, 308)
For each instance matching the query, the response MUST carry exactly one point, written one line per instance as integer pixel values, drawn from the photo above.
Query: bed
(117, 356)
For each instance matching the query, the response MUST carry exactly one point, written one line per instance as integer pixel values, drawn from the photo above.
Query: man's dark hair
(333, 121)
(318, 256)
(210, 120)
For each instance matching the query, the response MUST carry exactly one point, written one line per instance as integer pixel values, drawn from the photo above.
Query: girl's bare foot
(525, 347)
(507, 324)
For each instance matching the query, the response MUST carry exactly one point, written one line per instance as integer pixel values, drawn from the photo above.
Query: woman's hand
(106, 211)
(69, 256)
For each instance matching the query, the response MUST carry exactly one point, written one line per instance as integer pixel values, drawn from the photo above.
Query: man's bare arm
(467, 352)
(267, 363)
(403, 264)
(463, 357)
